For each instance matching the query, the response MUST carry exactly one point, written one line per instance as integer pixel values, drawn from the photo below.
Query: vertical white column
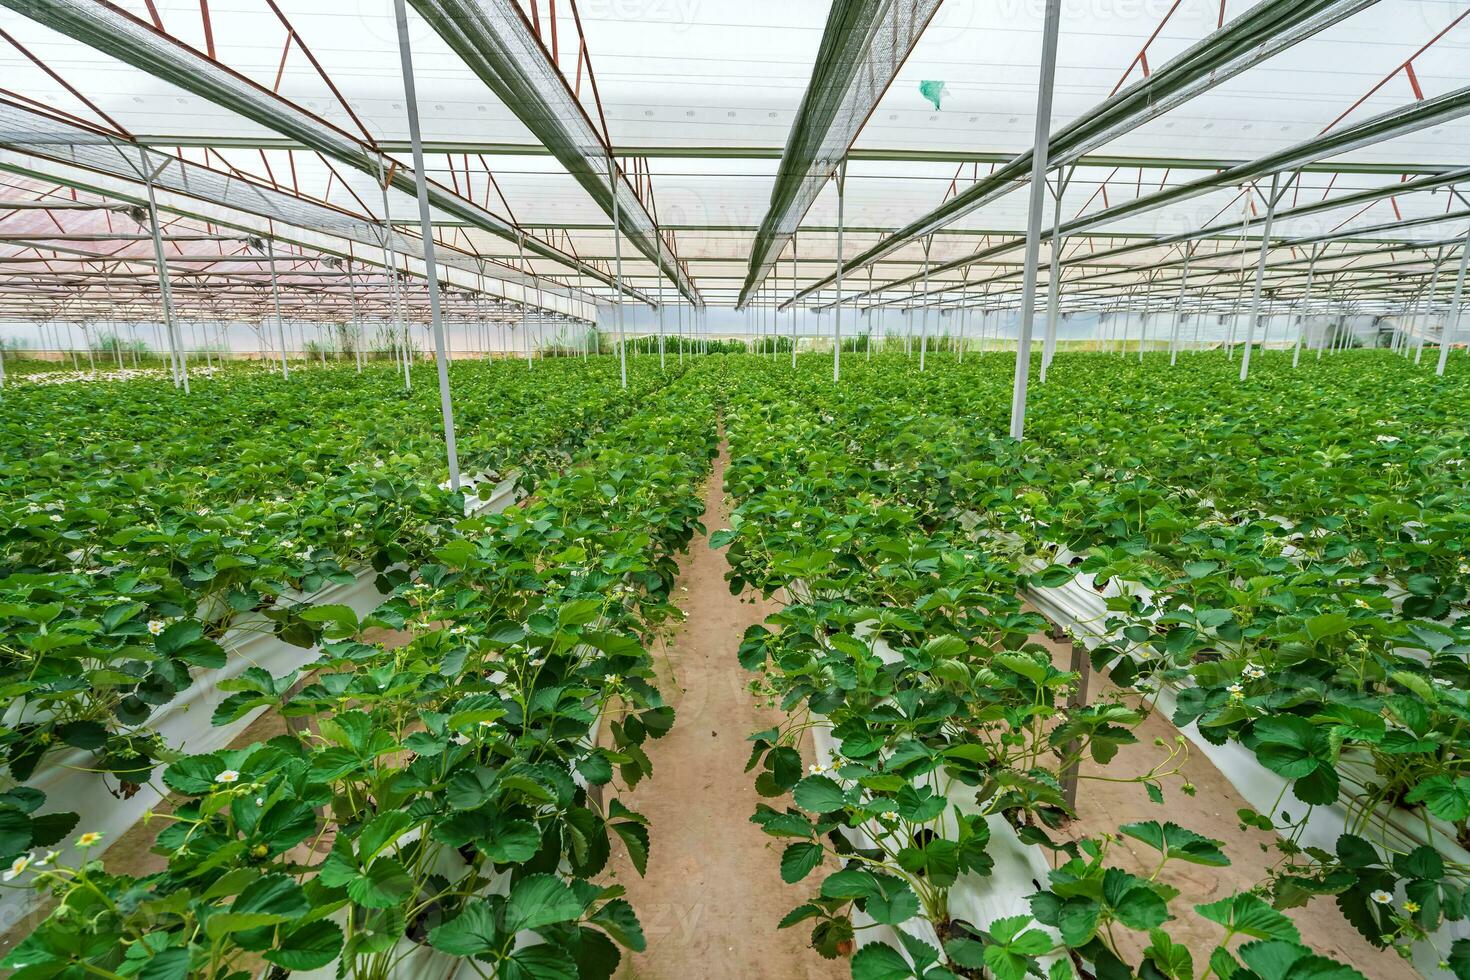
(426, 229)
(1179, 309)
(1296, 354)
(1452, 324)
(1033, 223)
(837, 306)
(1255, 314)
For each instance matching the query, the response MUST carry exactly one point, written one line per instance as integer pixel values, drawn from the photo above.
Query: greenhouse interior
(667, 489)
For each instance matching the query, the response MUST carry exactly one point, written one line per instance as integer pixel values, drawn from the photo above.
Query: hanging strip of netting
(493, 39)
(864, 45)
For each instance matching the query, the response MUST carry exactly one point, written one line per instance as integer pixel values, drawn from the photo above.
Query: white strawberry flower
(155, 626)
(228, 776)
(1252, 672)
(17, 867)
(1382, 897)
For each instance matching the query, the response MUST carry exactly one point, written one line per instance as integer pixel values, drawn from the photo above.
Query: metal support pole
(964, 332)
(525, 307)
(1428, 306)
(1179, 309)
(1082, 666)
(356, 318)
(837, 306)
(390, 260)
(1296, 355)
(164, 287)
(270, 251)
(793, 300)
(661, 307)
(924, 327)
(1053, 279)
(618, 258)
(87, 339)
(427, 230)
(1452, 325)
(1250, 329)
(1033, 223)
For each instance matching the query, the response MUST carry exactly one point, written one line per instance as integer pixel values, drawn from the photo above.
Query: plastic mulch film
(1262, 32)
(492, 38)
(117, 33)
(863, 46)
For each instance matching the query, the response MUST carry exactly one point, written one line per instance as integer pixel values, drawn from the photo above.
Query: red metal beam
(64, 84)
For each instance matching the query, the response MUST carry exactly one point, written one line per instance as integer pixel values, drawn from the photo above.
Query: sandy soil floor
(714, 894)
(1103, 807)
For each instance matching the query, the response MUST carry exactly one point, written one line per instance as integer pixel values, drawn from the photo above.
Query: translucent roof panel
(698, 101)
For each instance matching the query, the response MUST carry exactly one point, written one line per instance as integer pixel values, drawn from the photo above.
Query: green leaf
(896, 902)
(1296, 749)
(471, 933)
(849, 884)
(342, 620)
(384, 885)
(266, 901)
(635, 838)
(1328, 624)
(541, 961)
(1171, 959)
(1291, 961)
(621, 922)
(309, 947)
(168, 964)
(819, 794)
(1447, 797)
(1248, 915)
(1052, 576)
(1177, 843)
(540, 900)
(15, 833)
(876, 961)
(798, 860)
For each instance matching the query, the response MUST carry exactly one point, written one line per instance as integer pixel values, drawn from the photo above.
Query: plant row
(442, 798)
(943, 730)
(143, 525)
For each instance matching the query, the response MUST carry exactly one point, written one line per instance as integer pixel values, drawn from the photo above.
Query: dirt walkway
(1103, 806)
(714, 894)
